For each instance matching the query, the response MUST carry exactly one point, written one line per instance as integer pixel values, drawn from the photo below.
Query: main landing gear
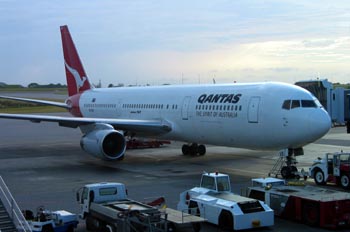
(193, 149)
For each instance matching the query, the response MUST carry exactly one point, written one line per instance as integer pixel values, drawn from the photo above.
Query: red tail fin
(77, 80)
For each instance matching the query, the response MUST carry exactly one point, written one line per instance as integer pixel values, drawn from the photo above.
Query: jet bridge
(334, 99)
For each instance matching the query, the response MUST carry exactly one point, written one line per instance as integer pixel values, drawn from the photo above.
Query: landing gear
(286, 164)
(193, 149)
(290, 171)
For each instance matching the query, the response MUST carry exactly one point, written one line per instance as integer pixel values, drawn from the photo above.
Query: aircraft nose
(319, 124)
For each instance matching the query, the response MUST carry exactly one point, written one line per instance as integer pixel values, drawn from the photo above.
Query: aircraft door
(119, 108)
(185, 108)
(253, 110)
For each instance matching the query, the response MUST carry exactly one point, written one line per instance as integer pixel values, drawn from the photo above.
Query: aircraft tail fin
(77, 80)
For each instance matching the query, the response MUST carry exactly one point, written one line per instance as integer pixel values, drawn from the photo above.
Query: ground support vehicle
(136, 143)
(311, 205)
(105, 207)
(214, 201)
(334, 167)
(51, 221)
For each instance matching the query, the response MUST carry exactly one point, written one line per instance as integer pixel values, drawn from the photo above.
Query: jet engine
(107, 143)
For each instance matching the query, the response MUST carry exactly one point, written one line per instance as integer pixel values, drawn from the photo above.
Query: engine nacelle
(107, 144)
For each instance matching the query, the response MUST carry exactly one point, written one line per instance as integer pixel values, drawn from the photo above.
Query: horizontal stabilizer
(37, 101)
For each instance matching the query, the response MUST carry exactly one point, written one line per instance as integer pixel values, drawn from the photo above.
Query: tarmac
(43, 165)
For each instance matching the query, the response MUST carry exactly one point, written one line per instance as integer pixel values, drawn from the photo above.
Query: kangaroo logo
(78, 80)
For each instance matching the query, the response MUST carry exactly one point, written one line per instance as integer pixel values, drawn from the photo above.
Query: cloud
(121, 41)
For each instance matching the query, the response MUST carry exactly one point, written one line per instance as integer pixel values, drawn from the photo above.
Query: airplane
(258, 116)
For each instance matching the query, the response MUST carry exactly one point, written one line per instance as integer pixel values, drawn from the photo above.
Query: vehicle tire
(70, 229)
(89, 223)
(47, 228)
(285, 172)
(196, 227)
(345, 181)
(201, 150)
(171, 227)
(185, 149)
(103, 227)
(319, 177)
(113, 228)
(311, 215)
(226, 221)
(191, 207)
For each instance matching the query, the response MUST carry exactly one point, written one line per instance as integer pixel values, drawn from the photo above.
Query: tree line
(32, 85)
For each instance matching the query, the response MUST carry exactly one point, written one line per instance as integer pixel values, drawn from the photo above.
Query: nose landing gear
(286, 164)
(193, 149)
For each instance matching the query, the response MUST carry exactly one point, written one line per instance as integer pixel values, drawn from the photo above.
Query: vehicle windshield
(208, 182)
(223, 183)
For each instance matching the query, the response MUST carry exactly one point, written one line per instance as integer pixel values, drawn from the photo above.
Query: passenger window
(286, 105)
(295, 104)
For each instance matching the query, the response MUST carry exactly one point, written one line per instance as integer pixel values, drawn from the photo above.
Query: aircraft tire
(285, 172)
(201, 150)
(194, 149)
(186, 149)
(293, 170)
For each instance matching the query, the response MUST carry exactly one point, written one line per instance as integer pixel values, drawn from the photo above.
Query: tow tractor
(214, 201)
(311, 205)
(334, 167)
(51, 221)
(106, 207)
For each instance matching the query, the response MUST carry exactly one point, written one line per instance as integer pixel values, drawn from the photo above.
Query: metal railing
(12, 208)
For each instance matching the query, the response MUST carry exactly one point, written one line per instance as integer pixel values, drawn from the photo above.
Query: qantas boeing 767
(268, 115)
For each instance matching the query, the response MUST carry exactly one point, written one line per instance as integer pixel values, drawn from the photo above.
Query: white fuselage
(236, 115)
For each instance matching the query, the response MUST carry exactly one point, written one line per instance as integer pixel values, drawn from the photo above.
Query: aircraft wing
(138, 126)
(42, 102)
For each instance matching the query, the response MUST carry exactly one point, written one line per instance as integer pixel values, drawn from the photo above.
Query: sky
(177, 42)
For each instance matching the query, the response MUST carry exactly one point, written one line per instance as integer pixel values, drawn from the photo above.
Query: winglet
(77, 80)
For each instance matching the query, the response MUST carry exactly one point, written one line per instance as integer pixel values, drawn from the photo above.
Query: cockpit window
(286, 105)
(295, 104)
(292, 104)
(308, 104)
